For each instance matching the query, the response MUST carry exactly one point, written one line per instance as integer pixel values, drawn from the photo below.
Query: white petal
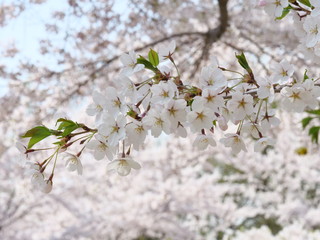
(133, 164)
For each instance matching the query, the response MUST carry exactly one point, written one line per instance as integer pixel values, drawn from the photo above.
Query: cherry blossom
(175, 112)
(130, 63)
(240, 105)
(163, 92)
(158, 122)
(282, 72)
(73, 163)
(200, 117)
(266, 89)
(114, 129)
(123, 165)
(275, 7)
(99, 103)
(203, 141)
(101, 148)
(311, 27)
(212, 78)
(136, 132)
(235, 142)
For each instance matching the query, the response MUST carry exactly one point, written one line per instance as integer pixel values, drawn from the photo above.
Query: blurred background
(54, 53)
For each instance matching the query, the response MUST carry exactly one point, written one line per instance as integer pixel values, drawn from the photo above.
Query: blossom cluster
(162, 103)
(240, 106)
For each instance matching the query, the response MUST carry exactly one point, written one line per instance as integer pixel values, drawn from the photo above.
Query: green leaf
(153, 57)
(36, 134)
(243, 62)
(305, 2)
(67, 126)
(285, 12)
(316, 112)
(314, 133)
(306, 121)
(146, 63)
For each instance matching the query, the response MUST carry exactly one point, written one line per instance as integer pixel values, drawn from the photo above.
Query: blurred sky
(26, 31)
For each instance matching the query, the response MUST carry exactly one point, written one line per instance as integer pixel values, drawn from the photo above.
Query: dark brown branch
(213, 35)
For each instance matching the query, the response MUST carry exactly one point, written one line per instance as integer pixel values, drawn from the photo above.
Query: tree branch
(213, 35)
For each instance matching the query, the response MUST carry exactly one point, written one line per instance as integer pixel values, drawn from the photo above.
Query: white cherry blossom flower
(130, 63)
(136, 133)
(114, 129)
(128, 89)
(101, 147)
(269, 119)
(123, 165)
(281, 72)
(212, 99)
(203, 141)
(212, 78)
(175, 112)
(235, 142)
(163, 92)
(275, 7)
(73, 163)
(312, 27)
(200, 117)
(157, 121)
(294, 98)
(265, 89)
(240, 105)
(99, 104)
(115, 103)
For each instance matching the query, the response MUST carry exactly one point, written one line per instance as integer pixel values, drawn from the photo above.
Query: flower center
(172, 111)
(165, 94)
(115, 129)
(200, 116)
(116, 103)
(159, 122)
(242, 103)
(314, 30)
(139, 129)
(102, 147)
(277, 3)
(210, 98)
(210, 82)
(284, 73)
(295, 96)
(99, 108)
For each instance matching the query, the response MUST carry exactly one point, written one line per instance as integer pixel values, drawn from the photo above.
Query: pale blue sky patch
(25, 32)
